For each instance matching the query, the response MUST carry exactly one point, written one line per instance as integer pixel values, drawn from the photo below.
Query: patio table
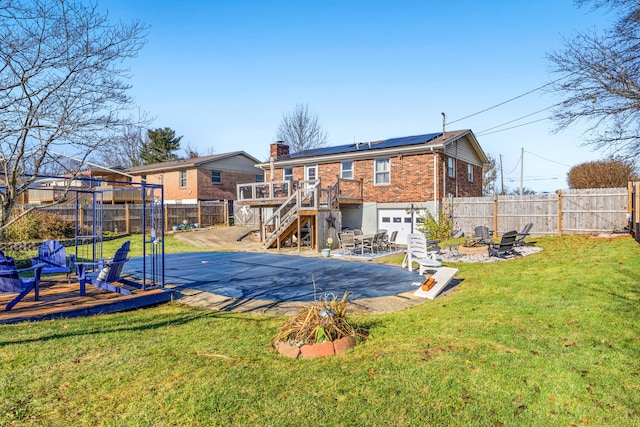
(361, 239)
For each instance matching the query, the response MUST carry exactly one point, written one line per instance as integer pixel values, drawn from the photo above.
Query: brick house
(201, 178)
(391, 182)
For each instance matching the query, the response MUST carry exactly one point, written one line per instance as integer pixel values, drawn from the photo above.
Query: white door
(398, 220)
(310, 173)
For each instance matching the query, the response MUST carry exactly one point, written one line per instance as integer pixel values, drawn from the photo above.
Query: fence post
(559, 192)
(199, 212)
(495, 215)
(127, 219)
(225, 212)
(166, 217)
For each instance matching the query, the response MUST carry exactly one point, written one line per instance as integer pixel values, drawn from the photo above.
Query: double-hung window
(346, 170)
(216, 177)
(183, 179)
(382, 174)
(451, 172)
(469, 173)
(287, 174)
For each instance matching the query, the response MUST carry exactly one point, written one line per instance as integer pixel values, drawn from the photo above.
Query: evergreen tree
(159, 146)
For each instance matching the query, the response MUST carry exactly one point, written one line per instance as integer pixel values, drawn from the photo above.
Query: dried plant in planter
(325, 320)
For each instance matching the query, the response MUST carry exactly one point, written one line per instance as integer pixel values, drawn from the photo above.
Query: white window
(381, 172)
(451, 172)
(469, 173)
(216, 177)
(346, 170)
(183, 179)
(287, 174)
(259, 178)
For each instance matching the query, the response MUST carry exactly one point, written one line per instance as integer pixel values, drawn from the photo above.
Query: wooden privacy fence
(127, 218)
(581, 211)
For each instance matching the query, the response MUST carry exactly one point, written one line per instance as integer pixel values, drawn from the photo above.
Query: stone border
(312, 351)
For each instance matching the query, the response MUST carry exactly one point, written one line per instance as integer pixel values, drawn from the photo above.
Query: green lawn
(549, 339)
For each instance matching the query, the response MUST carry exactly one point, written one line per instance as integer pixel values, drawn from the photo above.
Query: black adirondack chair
(506, 245)
(523, 234)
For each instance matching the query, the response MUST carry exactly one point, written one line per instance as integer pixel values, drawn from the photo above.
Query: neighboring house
(197, 179)
(391, 182)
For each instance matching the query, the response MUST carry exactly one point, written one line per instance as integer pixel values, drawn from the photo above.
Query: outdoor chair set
(354, 242)
(52, 259)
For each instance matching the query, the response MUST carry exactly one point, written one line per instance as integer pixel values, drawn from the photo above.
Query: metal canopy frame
(89, 229)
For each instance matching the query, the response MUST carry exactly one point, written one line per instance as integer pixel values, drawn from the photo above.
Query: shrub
(435, 229)
(39, 225)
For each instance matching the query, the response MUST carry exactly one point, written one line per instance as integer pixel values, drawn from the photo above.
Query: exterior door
(310, 173)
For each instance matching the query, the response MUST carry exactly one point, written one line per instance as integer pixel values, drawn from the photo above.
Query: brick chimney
(278, 149)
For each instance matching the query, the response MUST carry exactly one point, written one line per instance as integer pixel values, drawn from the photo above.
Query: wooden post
(166, 217)
(127, 219)
(630, 197)
(225, 212)
(199, 212)
(559, 192)
(495, 215)
(299, 234)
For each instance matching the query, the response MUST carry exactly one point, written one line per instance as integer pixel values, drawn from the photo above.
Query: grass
(549, 339)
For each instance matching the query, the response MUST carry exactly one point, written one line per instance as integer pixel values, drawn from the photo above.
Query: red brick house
(384, 184)
(201, 178)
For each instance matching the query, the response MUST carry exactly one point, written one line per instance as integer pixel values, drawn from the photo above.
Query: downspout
(435, 186)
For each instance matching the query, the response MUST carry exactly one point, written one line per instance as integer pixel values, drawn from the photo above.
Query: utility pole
(521, 168)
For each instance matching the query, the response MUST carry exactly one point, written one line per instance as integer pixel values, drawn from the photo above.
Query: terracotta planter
(317, 350)
(473, 250)
(307, 351)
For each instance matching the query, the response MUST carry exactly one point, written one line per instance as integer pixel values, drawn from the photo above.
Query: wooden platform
(58, 298)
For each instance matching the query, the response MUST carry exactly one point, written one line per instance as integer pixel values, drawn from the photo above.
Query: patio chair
(11, 282)
(347, 243)
(54, 257)
(523, 234)
(481, 234)
(417, 252)
(110, 270)
(505, 247)
(391, 243)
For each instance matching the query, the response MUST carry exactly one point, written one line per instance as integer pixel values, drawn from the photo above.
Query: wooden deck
(58, 298)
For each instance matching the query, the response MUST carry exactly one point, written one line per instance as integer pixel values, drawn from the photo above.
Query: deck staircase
(303, 204)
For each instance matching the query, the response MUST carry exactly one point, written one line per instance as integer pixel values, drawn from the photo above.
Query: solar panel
(362, 146)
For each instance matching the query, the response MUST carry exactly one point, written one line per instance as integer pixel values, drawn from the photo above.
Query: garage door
(397, 220)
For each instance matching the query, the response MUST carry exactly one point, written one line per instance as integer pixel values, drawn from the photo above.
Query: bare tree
(61, 86)
(124, 149)
(603, 81)
(192, 152)
(489, 176)
(301, 131)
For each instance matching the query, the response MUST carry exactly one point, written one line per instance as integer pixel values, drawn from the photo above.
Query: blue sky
(223, 73)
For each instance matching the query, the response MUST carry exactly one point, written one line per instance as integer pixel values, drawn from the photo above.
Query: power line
(548, 160)
(515, 120)
(514, 127)
(509, 100)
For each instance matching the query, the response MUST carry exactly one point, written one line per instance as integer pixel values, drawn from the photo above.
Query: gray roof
(193, 162)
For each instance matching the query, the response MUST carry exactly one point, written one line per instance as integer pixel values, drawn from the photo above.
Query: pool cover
(277, 277)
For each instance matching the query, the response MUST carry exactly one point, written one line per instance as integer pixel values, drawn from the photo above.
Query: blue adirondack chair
(10, 281)
(109, 271)
(54, 257)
